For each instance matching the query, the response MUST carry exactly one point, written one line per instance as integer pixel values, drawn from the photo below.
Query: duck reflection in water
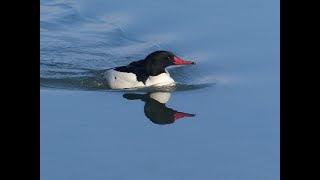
(155, 108)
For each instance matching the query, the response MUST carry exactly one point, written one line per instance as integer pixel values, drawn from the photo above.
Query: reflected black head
(157, 112)
(160, 114)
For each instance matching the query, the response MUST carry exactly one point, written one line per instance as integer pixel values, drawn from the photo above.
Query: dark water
(220, 122)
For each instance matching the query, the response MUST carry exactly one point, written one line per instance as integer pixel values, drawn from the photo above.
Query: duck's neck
(154, 69)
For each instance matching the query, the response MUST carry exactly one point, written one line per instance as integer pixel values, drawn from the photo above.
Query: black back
(138, 68)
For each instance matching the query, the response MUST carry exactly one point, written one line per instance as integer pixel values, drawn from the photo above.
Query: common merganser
(148, 72)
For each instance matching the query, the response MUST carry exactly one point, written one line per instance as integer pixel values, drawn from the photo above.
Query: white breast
(160, 80)
(161, 97)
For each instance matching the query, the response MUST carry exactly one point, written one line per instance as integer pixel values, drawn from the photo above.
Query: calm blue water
(232, 94)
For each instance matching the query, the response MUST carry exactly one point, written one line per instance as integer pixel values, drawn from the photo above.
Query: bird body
(143, 73)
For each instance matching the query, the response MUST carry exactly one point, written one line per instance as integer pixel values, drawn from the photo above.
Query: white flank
(121, 80)
(124, 80)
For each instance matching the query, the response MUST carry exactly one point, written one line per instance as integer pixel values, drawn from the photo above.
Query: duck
(150, 71)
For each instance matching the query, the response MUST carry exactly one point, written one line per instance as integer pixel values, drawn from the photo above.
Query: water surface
(220, 122)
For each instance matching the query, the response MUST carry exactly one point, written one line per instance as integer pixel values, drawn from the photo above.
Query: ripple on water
(73, 47)
(92, 80)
